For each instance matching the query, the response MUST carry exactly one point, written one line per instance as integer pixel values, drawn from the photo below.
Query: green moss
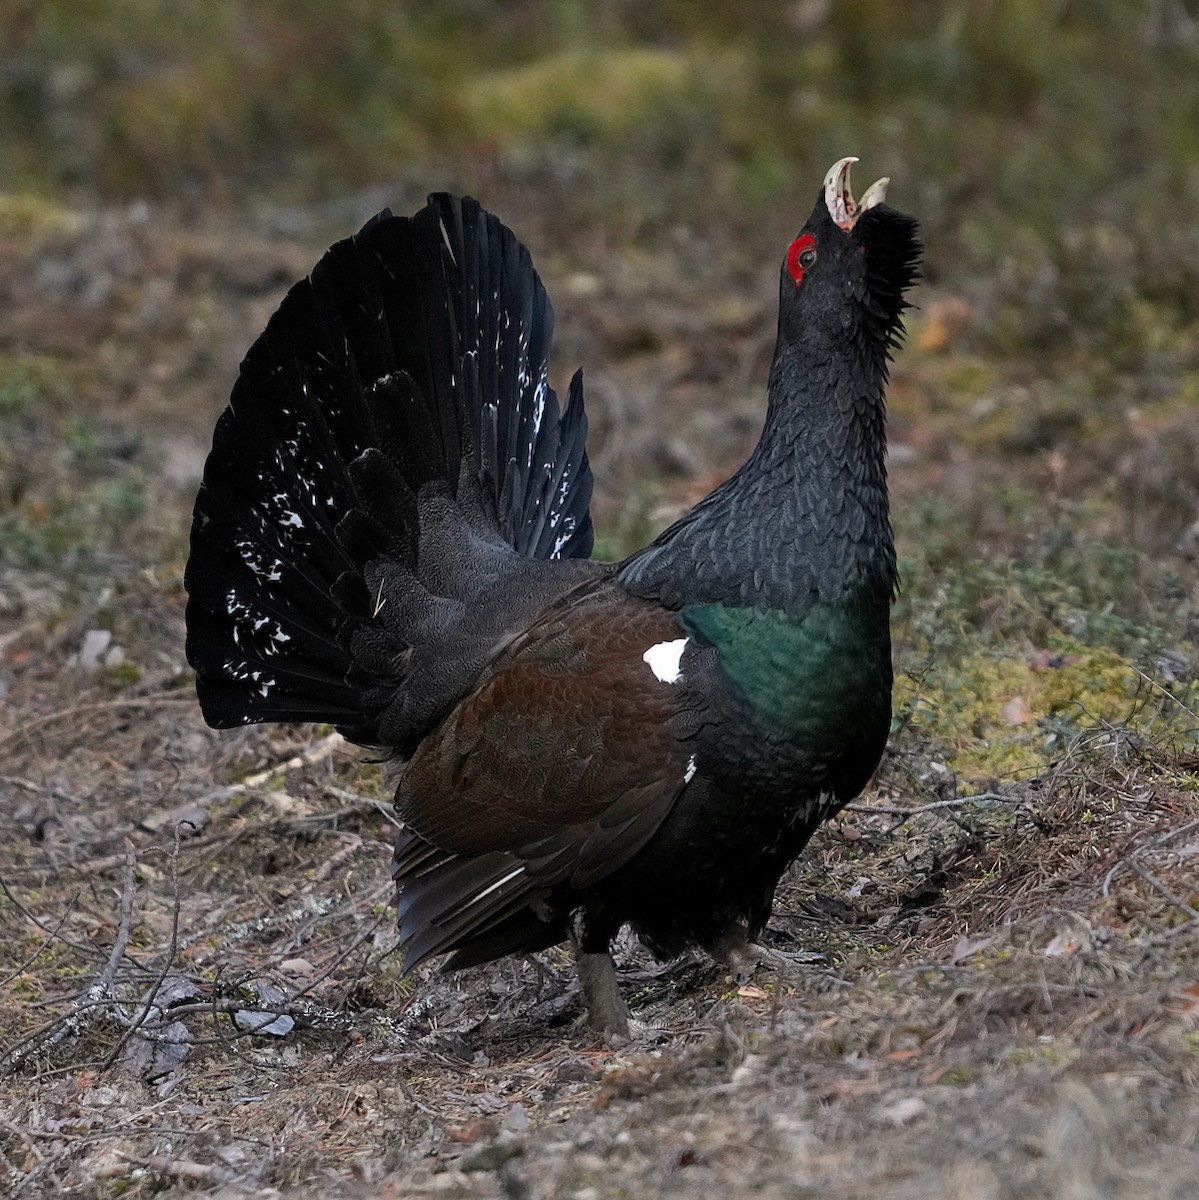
(124, 674)
(1182, 781)
(31, 218)
(960, 1076)
(1004, 662)
(996, 715)
(1008, 106)
(72, 488)
(636, 524)
(32, 380)
(586, 92)
(371, 779)
(1047, 1054)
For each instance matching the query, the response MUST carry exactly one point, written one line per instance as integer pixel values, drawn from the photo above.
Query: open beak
(842, 207)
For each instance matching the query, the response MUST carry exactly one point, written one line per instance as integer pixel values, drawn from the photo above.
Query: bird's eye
(801, 254)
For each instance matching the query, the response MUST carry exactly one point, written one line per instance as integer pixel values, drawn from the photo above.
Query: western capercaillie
(392, 536)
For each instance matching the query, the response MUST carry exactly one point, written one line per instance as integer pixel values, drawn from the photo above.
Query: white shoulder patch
(665, 660)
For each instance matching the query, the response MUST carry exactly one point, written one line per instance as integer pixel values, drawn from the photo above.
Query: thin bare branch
(906, 814)
(167, 962)
(1157, 885)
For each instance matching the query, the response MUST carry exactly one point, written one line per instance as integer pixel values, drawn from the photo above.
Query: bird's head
(847, 270)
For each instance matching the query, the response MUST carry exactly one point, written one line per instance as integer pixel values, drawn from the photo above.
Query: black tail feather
(477, 905)
(412, 362)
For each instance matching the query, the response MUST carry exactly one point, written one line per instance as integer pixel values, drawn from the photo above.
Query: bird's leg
(607, 1013)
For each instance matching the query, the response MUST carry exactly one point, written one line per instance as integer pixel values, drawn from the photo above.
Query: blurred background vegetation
(1010, 121)
(1050, 148)
(1045, 416)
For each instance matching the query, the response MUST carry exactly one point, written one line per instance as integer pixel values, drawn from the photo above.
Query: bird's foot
(785, 960)
(734, 950)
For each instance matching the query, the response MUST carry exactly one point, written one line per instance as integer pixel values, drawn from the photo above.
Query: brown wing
(559, 767)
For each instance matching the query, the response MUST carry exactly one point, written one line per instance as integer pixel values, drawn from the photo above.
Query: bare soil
(981, 993)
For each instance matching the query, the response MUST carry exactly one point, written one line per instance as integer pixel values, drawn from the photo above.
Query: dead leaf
(1186, 1000)
(272, 1024)
(156, 1055)
(946, 321)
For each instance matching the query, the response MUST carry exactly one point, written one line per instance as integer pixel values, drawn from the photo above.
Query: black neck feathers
(805, 521)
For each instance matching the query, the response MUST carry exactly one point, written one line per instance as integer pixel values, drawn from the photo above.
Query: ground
(987, 984)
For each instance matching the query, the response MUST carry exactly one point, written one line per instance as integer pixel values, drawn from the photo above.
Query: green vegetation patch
(996, 715)
(71, 488)
(32, 218)
(588, 93)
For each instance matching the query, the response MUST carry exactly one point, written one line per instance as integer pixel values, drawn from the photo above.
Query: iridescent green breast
(823, 679)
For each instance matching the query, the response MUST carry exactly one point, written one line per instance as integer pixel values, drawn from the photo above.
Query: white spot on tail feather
(689, 774)
(665, 660)
(270, 571)
(568, 528)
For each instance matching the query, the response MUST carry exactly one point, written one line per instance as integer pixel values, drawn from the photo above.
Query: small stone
(903, 1110)
(95, 643)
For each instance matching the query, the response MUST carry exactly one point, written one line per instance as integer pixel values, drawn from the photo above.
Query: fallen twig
(34, 919)
(1157, 885)
(25, 1136)
(363, 803)
(315, 753)
(353, 844)
(1164, 691)
(368, 933)
(91, 866)
(99, 993)
(168, 960)
(125, 928)
(906, 814)
(181, 1168)
(1145, 848)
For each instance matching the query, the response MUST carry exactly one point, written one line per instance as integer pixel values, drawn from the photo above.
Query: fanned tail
(391, 428)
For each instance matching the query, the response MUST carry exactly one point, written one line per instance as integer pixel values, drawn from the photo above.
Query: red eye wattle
(801, 256)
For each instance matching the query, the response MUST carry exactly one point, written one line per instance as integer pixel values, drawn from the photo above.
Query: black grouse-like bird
(392, 536)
